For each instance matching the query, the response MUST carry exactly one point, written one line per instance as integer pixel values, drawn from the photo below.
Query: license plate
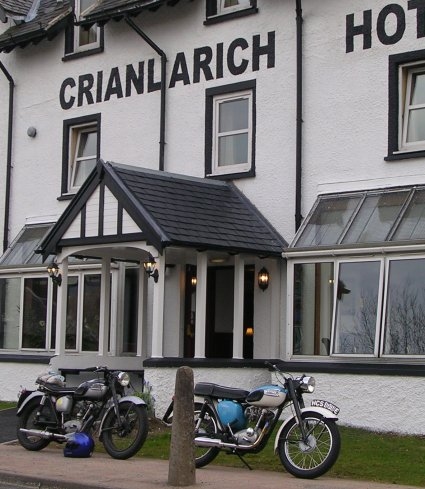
(326, 405)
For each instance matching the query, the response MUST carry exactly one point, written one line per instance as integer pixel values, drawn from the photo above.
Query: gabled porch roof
(121, 204)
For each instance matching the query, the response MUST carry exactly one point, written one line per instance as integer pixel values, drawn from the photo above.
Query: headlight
(123, 379)
(308, 384)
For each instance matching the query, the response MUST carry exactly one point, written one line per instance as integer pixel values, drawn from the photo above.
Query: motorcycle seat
(57, 389)
(219, 391)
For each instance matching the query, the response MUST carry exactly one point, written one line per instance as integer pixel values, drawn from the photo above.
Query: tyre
(315, 456)
(28, 420)
(207, 427)
(125, 441)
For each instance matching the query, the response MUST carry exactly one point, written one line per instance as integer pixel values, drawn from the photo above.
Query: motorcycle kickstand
(242, 460)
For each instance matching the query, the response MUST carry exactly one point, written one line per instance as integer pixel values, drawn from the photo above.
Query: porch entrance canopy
(122, 204)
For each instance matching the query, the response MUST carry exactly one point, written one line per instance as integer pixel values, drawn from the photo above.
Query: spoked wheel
(125, 440)
(205, 427)
(28, 420)
(313, 456)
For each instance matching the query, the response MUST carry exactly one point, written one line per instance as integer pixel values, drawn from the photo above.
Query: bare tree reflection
(405, 328)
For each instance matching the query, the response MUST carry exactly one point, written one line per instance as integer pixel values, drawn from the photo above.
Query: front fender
(33, 395)
(133, 399)
(318, 410)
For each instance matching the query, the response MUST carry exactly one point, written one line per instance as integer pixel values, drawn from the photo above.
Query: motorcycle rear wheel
(314, 457)
(207, 428)
(27, 420)
(122, 443)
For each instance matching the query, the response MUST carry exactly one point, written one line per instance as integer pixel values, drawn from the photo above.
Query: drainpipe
(9, 159)
(298, 163)
(163, 80)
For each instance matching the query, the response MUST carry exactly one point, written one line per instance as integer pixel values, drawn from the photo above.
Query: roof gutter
(9, 158)
(298, 161)
(161, 53)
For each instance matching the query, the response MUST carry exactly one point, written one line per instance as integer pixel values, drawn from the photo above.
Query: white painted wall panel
(92, 214)
(110, 213)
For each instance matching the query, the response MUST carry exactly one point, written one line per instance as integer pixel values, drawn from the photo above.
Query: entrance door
(219, 313)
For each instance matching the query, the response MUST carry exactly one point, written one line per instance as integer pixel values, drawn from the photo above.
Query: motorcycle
(238, 422)
(98, 407)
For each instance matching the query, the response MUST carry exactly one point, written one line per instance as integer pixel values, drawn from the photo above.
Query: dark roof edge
(259, 215)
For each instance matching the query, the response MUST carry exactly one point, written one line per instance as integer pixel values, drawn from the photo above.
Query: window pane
(313, 297)
(10, 294)
(35, 313)
(82, 171)
(356, 307)
(418, 89)
(375, 218)
(72, 314)
(234, 115)
(328, 221)
(131, 310)
(88, 144)
(416, 125)
(412, 226)
(405, 314)
(233, 150)
(53, 328)
(22, 250)
(91, 309)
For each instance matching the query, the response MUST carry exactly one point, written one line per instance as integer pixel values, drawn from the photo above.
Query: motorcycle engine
(246, 437)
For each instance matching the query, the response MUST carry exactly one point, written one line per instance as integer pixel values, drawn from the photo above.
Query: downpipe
(47, 435)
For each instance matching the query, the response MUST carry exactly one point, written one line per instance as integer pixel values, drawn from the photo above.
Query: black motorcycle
(98, 407)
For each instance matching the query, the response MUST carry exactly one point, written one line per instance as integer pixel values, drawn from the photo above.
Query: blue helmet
(79, 445)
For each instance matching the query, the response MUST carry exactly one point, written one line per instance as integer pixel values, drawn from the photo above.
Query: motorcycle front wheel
(125, 439)
(28, 420)
(206, 427)
(313, 456)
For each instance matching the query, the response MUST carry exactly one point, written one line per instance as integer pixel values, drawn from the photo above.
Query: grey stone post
(181, 469)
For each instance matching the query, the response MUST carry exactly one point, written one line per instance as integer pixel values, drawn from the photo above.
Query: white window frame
(239, 167)
(405, 86)
(385, 262)
(74, 143)
(222, 9)
(77, 29)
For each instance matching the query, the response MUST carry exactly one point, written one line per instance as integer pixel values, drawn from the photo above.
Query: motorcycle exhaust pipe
(205, 442)
(44, 434)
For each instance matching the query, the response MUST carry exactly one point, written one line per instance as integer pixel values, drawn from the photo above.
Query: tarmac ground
(49, 469)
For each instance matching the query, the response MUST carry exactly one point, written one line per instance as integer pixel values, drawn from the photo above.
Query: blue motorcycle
(239, 421)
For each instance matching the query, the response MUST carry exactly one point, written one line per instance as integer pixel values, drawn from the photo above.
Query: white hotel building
(263, 160)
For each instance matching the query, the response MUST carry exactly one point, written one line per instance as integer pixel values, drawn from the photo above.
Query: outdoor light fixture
(249, 331)
(193, 281)
(54, 273)
(263, 279)
(151, 270)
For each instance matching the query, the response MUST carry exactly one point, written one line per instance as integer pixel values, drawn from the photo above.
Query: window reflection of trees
(405, 328)
(360, 338)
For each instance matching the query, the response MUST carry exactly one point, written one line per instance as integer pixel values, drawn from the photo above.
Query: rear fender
(27, 399)
(324, 413)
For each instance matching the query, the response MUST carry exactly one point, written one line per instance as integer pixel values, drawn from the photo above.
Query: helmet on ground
(79, 445)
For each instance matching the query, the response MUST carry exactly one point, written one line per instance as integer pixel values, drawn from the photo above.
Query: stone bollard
(181, 469)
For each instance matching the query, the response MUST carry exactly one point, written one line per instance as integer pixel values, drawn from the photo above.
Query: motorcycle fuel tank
(267, 396)
(231, 413)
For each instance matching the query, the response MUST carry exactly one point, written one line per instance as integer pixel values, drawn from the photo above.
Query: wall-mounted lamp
(151, 270)
(263, 279)
(193, 281)
(249, 331)
(54, 273)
